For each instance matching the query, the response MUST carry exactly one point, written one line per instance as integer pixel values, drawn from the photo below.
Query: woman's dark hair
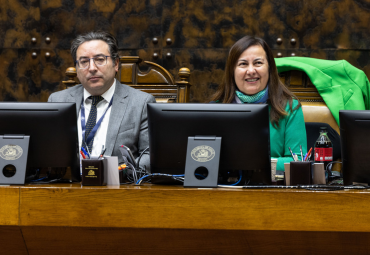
(96, 35)
(279, 95)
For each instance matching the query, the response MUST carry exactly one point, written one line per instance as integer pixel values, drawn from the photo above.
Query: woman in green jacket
(251, 77)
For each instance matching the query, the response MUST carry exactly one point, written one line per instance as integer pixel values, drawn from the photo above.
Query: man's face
(96, 79)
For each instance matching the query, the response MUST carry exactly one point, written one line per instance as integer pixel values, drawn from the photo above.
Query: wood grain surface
(9, 206)
(176, 207)
(155, 219)
(12, 241)
(62, 240)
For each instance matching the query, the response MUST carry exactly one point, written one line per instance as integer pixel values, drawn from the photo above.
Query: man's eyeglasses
(84, 63)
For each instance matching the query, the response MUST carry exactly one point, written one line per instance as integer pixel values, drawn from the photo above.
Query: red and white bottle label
(323, 154)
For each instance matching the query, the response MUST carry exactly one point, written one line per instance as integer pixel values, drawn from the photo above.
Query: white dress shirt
(101, 133)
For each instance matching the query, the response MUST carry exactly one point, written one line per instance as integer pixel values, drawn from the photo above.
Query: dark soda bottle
(323, 148)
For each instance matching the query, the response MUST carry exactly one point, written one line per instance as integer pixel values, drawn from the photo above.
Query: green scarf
(251, 99)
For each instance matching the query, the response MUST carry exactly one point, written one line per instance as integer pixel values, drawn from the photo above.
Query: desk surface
(67, 208)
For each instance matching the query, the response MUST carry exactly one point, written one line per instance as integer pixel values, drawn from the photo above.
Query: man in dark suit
(110, 114)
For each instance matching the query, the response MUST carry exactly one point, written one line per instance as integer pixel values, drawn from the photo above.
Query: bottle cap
(323, 128)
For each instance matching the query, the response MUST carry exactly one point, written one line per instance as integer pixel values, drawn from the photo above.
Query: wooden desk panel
(9, 205)
(12, 241)
(70, 219)
(63, 240)
(179, 208)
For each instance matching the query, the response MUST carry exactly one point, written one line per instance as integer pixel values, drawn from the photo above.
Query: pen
(300, 146)
(102, 150)
(84, 151)
(308, 154)
(83, 155)
(102, 153)
(291, 153)
(87, 148)
(295, 157)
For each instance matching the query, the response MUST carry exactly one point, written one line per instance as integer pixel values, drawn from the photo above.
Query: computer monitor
(52, 128)
(355, 146)
(244, 129)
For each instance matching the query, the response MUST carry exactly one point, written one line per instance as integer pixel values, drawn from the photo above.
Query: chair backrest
(313, 106)
(156, 80)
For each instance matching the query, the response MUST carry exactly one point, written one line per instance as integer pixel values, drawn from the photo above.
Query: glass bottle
(323, 148)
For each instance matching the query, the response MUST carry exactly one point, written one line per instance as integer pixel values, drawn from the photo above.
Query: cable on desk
(60, 180)
(174, 177)
(141, 154)
(134, 174)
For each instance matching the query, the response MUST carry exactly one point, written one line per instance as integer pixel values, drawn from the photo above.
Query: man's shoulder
(61, 95)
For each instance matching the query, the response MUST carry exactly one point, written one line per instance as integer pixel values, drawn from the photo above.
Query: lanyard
(97, 125)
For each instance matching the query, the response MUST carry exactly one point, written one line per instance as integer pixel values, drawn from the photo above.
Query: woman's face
(252, 70)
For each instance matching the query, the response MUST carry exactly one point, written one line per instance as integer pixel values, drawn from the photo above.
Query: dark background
(201, 33)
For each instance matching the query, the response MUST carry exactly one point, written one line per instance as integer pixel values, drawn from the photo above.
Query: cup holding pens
(93, 172)
(300, 173)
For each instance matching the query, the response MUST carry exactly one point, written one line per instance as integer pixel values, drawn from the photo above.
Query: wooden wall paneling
(206, 67)
(19, 23)
(327, 24)
(136, 24)
(358, 58)
(63, 20)
(133, 23)
(146, 54)
(218, 24)
(53, 64)
(20, 74)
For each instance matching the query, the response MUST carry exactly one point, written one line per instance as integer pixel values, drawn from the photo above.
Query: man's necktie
(92, 120)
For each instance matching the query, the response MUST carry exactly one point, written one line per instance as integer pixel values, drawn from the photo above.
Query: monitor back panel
(244, 130)
(355, 146)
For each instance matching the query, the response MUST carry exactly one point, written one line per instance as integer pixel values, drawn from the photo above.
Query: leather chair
(156, 80)
(313, 106)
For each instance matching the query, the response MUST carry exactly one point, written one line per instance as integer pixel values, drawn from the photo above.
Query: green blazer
(341, 85)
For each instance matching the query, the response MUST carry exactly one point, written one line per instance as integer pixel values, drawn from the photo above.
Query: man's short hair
(95, 35)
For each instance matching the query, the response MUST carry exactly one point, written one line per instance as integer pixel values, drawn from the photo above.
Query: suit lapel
(75, 96)
(119, 106)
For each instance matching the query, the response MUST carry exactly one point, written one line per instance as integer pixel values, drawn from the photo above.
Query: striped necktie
(91, 120)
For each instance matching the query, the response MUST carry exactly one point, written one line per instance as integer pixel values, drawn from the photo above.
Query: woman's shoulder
(295, 103)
